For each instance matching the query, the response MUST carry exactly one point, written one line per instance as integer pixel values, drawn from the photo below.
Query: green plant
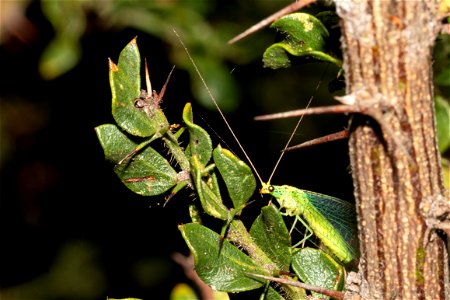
(267, 245)
(268, 251)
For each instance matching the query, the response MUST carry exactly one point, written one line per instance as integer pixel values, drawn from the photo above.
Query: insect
(332, 220)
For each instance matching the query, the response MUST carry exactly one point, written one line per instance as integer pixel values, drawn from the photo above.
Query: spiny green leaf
(199, 152)
(270, 233)
(272, 294)
(305, 35)
(125, 81)
(147, 173)
(200, 143)
(210, 200)
(237, 175)
(238, 235)
(224, 271)
(208, 191)
(275, 57)
(315, 267)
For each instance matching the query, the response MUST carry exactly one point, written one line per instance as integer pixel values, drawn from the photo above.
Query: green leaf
(237, 175)
(208, 192)
(305, 35)
(315, 267)
(64, 51)
(148, 173)
(200, 144)
(125, 81)
(442, 108)
(195, 214)
(295, 292)
(272, 294)
(60, 56)
(238, 235)
(224, 271)
(207, 189)
(275, 57)
(270, 233)
(182, 291)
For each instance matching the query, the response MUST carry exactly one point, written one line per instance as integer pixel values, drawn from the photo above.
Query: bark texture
(393, 150)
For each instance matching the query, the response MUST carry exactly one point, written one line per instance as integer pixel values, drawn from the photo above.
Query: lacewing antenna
(295, 129)
(217, 106)
(228, 125)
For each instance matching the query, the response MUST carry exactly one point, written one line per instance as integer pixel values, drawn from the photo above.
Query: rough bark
(393, 150)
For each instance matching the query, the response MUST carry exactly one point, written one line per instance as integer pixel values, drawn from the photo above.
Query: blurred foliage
(64, 51)
(146, 172)
(304, 36)
(206, 40)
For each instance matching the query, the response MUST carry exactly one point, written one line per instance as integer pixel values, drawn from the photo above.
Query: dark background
(69, 228)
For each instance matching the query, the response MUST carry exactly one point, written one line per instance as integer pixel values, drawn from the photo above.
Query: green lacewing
(331, 219)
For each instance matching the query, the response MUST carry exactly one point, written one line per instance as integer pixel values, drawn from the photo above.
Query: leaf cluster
(226, 265)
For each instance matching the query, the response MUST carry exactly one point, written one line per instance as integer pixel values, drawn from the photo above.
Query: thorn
(327, 292)
(148, 83)
(167, 198)
(334, 109)
(263, 23)
(158, 98)
(343, 134)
